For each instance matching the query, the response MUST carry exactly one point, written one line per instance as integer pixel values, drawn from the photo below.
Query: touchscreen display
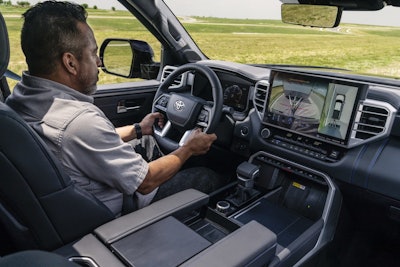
(311, 105)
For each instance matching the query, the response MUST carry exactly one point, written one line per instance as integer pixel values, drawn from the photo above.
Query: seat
(4, 58)
(40, 206)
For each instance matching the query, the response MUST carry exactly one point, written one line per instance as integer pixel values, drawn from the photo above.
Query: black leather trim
(4, 47)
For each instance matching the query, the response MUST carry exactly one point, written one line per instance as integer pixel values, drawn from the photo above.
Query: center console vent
(260, 97)
(178, 82)
(373, 120)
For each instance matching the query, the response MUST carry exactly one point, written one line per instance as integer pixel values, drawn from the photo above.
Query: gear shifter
(246, 173)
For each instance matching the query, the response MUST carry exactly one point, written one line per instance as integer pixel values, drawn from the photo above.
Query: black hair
(50, 29)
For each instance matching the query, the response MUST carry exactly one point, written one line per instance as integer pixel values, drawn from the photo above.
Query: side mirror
(128, 58)
(311, 15)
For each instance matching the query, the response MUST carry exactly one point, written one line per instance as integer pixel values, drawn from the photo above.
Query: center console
(277, 213)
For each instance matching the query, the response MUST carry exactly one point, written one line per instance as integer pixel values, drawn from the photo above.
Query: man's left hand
(148, 121)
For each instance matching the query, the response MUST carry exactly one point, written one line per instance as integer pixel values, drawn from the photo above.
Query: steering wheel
(185, 112)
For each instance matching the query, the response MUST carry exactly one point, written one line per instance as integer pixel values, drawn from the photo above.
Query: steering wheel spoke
(162, 132)
(185, 137)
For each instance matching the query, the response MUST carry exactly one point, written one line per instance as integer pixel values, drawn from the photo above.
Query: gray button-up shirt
(81, 137)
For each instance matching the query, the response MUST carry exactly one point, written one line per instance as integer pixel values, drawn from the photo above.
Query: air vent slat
(178, 82)
(372, 121)
(260, 96)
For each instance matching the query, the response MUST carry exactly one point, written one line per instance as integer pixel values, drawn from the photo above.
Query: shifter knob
(246, 172)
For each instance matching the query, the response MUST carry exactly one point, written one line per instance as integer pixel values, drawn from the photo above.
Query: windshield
(249, 32)
(252, 32)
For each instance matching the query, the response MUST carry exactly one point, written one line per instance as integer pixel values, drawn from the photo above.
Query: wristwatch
(138, 130)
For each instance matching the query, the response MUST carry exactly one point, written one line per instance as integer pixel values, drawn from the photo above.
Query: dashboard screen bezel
(361, 89)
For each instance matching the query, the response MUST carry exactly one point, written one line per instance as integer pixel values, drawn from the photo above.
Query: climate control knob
(265, 133)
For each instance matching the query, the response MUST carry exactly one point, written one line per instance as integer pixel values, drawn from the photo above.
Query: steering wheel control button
(163, 101)
(244, 131)
(203, 117)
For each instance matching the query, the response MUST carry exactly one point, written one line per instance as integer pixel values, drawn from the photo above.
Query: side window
(109, 19)
(17, 65)
(121, 24)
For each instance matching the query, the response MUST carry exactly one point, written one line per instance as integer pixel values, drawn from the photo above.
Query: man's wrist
(138, 130)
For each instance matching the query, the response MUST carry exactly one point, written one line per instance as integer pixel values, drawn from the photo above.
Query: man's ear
(70, 63)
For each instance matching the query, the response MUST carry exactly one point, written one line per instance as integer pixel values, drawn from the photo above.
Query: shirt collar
(57, 89)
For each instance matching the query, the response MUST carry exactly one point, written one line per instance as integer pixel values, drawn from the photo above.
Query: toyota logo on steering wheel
(179, 105)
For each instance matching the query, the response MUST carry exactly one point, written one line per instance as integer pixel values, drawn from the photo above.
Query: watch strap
(138, 130)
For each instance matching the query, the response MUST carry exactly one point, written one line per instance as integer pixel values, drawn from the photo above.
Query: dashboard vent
(260, 96)
(371, 121)
(178, 82)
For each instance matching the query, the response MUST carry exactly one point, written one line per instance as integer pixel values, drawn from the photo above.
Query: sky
(254, 9)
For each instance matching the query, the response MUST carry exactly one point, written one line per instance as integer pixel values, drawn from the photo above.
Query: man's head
(59, 45)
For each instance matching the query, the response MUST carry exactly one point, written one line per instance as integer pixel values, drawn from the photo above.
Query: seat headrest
(4, 47)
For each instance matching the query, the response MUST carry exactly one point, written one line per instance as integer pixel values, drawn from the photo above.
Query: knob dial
(223, 206)
(265, 133)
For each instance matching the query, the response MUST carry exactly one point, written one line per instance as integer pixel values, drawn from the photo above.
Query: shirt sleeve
(92, 146)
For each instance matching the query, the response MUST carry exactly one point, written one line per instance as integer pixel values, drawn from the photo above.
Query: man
(54, 98)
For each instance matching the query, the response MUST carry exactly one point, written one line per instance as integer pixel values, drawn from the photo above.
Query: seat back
(40, 206)
(5, 47)
(4, 58)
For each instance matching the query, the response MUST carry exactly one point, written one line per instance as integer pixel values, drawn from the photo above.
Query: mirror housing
(128, 58)
(320, 16)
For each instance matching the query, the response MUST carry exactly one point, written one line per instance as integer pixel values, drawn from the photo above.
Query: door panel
(125, 103)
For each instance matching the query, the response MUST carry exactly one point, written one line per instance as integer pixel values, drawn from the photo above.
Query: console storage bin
(157, 236)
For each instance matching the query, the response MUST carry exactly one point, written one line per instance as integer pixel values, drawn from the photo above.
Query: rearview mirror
(311, 15)
(128, 58)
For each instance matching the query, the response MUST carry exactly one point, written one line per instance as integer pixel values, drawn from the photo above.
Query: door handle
(125, 106)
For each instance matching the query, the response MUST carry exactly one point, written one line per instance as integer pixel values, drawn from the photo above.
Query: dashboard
(317, 113)
(343, 124)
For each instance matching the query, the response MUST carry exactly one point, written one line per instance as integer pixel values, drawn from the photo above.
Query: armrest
(89, 251)
(180, 202)
(251, 245)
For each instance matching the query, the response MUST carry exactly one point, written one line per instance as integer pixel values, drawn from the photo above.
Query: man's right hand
(199, 142)
(163, 168)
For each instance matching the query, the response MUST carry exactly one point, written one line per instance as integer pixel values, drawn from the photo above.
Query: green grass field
(362, 48)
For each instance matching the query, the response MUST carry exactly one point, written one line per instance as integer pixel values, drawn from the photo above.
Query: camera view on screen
(311, 105)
